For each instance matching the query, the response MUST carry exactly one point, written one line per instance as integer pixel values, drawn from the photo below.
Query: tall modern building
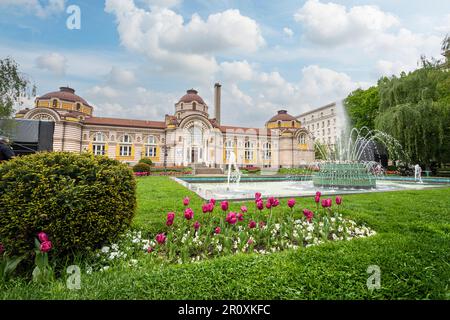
(188, 136)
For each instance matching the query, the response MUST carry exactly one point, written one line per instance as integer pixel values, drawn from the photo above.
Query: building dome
(64, 94)
(64, 100)
(190, 96)
(283, 116)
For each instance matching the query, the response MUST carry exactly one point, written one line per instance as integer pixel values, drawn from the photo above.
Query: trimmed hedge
(146, 161)
(141, 167)
(80, 201)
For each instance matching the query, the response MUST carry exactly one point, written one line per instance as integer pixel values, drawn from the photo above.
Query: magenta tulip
(160, 238)
(186, 201)
(275, 203)
(149, 250)
(170, 218)
(318, 194)
(42, 236)
(262, 224)
(231, 218)
(250, 241)
(260, 204)
(268, 204)
(240, 216)
(291, 203)
(213, 201)
(308, 214)
(257, 195)
(317, 199)
(45, 246)
(338, 200)
(224, 205)
(188, 213)
(252, 224)
(244, 209)
(217, 230)
(2, 248)
(196, 225)
(205, 207)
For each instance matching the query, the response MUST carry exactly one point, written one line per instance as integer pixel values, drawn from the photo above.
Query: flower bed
(268, 227)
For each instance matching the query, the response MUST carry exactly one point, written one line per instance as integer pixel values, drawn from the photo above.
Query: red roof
(283, 116)
(66, 94)
(116, 122)
(192, 95)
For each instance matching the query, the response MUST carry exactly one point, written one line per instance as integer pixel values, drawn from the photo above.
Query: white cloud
(236, 70)
(53, 62)
(175, 46)
(331, 23)
(161, 3)
(288, 32)
(35, 7)
(121, 77)
(103, 92)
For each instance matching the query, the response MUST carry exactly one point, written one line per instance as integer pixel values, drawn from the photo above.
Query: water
(247, 190)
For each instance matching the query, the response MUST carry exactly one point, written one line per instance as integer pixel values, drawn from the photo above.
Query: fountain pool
(219, 190)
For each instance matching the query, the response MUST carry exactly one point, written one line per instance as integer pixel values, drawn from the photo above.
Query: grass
(412, 249)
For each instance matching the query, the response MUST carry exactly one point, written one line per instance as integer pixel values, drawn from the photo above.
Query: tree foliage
(362, 107)
(13, 85)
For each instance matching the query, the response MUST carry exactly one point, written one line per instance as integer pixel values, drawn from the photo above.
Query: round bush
(146, 161)
(142, 167)
(80, 201)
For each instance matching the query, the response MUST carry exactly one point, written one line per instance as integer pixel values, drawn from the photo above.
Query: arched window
(182, 106)
(194, 106)
(228, 148)
(150, 146)
(98, 145)
(279, 123)
(293, 123)
(302, 138)
(196, 134)
(78, 106)
(267, 151)
(55, 103)
(125, 146)
(248, 150)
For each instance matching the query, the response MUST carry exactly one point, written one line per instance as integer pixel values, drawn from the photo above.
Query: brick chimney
(217, 92)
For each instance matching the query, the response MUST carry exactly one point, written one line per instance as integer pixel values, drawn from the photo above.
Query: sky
(136, 58)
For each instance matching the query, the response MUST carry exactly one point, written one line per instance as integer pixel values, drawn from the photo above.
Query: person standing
(6, 153)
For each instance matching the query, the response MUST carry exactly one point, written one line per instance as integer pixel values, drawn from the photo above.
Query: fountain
(351, 165)
(233, 176)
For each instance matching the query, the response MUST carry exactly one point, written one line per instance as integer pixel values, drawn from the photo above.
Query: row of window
(124, 150)
(101, 137)
(321, 115)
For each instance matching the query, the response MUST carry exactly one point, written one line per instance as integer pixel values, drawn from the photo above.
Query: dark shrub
(146, 161)
(141, 167)
(80, 201)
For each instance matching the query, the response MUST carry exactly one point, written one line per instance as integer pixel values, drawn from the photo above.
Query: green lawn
(412, 249)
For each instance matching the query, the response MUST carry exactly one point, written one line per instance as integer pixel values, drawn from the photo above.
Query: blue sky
(135, 59)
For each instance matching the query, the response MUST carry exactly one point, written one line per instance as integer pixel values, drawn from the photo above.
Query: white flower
(105, 249)
(115, 246)
(105, 268)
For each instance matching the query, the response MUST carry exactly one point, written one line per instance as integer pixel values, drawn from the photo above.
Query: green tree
(13, 85)
(362, 107)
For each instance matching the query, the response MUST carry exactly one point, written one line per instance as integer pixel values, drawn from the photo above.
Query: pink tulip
(275, 203)
(46, 246)
(217, 230)
(291, 203)
(250, 241)
(257, 195)
(170, 218)
(317, 199)
(149, 250)
(2, 248)
(338, 200)
(196, 225)
(211, 207)
(205, 207)
(308, 214)
(186, 201)
(188, 213)
(262, 224)
(231, 218)
(42, 236)
(213, 201)
(224, 205)
(244, 209)
(161, 238)
(318, 194)
(260, 204)
(268, 205)
(329, 202)
(240, 216)
(271, 200)
(252, 224)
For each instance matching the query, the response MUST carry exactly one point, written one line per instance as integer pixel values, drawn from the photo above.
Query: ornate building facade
(187, 137)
